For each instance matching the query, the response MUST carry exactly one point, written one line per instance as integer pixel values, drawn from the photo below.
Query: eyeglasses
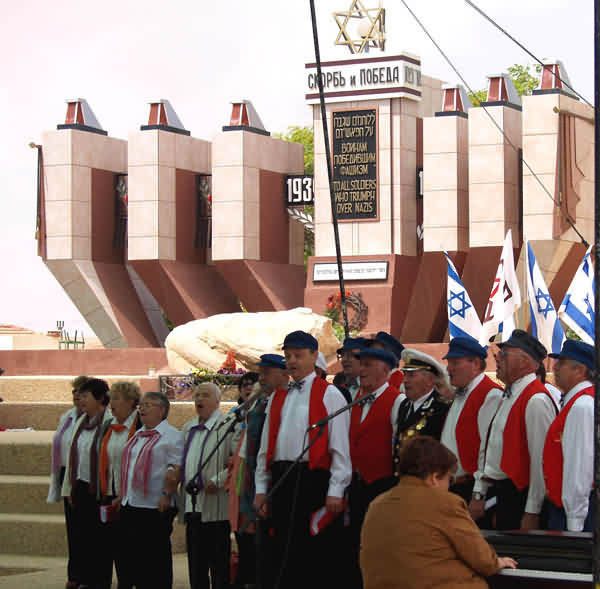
(348, 355)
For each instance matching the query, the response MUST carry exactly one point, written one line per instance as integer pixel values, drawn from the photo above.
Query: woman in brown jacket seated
(418, 534)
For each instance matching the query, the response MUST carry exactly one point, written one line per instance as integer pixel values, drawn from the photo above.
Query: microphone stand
(238, 415)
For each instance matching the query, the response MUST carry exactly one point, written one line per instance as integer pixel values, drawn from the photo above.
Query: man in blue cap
(306, 507)
(391, 344)
(348, 356)
(569, 447)
(512, 456)
(465, 430)
(371, 433)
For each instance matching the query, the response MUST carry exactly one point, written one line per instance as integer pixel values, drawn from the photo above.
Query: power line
(462, 79)
(503, 31)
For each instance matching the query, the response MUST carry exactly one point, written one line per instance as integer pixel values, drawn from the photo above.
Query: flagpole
(596, 287)
(334, 216)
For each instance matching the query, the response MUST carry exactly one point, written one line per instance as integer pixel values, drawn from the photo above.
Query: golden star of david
(375, 33)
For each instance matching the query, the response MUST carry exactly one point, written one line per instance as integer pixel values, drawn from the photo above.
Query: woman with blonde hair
(124, 399)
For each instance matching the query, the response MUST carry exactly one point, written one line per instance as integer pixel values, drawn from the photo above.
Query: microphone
(238, 412)
(359, 401)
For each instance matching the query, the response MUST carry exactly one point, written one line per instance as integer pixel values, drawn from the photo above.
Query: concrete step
(25, 453)
(45, 415)
(27, 494)
(45, 535)
(35, 534)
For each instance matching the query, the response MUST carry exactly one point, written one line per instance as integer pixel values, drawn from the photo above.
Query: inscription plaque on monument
(354, 152)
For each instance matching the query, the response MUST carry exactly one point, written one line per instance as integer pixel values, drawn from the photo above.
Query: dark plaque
(355, 163)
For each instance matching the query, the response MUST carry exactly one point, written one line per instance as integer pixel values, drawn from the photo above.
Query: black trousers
(209, 551)
(302, 560)
(463, 488)
(265, 567)
(116, 549)
(90, 561)
(510, 505)
(147, 535)
(246, 571)
(73, 574)
(360, 496)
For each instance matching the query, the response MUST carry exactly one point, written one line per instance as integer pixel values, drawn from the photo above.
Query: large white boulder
(204, 343)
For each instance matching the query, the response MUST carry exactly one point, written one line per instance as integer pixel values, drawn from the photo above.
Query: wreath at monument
(357, 309)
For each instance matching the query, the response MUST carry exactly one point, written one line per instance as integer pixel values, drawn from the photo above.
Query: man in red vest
(512, 454)
(569, 447)
(371, 432)
(307, 504)
(468, 420)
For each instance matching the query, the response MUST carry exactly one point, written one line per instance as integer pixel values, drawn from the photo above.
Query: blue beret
(382, 355)
(526, 342)
(274, 360)
(352, 343)
(578, 351)
(390, 343)
(465, 347)
(300, 339)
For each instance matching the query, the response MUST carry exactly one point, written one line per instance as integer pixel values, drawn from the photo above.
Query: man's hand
(210, 488)
(259, 504)
(530, 521)
(164, 503)
(334, 504)
(477, 508)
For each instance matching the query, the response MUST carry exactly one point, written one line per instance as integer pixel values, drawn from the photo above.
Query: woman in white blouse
(81, 486)
(124, 399)
(61, 442)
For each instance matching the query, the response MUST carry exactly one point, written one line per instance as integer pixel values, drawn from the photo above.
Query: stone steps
(29, 525)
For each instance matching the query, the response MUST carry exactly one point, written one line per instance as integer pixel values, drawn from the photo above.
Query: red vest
(371, 441)
(553, 452)
(515, 451)
(318, 454)
(396, 379)
(467, 430)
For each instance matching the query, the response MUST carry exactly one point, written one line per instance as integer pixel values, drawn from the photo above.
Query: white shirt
(394, 412)
(84, 443)
(114, 449)
(417, 404)
(214, 507)
(291, 439)
(555, 392)
(484, 418)
(168, 450)
(54, 489)
(578, 454)
(539, 415)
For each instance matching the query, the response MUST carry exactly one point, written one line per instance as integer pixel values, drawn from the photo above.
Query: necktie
(562, 401)
(410, 412)
(295, 385)
(507, 393)
(188, 443)
(114, 427)
(57, 443)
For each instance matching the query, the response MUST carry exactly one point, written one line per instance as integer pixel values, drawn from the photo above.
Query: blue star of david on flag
(545, 325)
(462, 317)
(464, 305)
(544, 297)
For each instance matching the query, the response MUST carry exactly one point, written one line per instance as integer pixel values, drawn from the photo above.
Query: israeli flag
(577, 308)
(545, 325)
(462, 317)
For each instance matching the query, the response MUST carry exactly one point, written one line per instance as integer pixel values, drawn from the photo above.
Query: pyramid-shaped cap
(244, 116)
(81, 116)
(555, 77)
(502, 89)
(455, 99)
(162, 116)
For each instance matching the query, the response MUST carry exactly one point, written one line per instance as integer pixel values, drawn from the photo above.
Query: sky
(202, 55)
